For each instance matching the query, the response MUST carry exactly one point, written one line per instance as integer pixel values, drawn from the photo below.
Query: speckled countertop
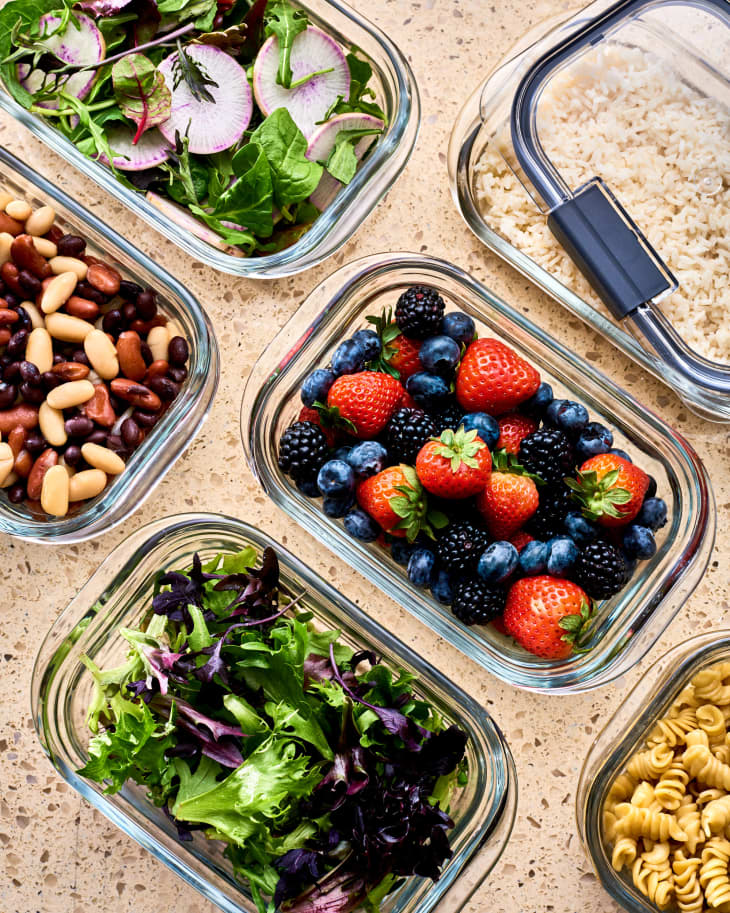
(57, 854)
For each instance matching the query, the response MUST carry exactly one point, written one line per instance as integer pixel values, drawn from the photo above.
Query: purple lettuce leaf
(298, 869)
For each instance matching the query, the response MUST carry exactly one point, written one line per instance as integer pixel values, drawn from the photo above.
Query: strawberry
(395, 499)
(455, 465)
(520, 539)
(493, 378)
(364, 401)
(399, 355)
(407, 402)
(314, 416)
(548, 616)
(609, 489)
(512, 428)
(509, 498)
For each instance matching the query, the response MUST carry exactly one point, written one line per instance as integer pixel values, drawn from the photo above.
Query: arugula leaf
(141, 92)
(342, 162)
(293, 175)
(112, 28)
(360, 75)
(249, 201)
(282, 20)
(173, 12)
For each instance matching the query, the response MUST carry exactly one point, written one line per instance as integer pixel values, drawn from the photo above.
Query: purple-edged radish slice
(83, 46)
(184, 219)
(150, 150)
(211, 126)
(322, 142)
(313, 51)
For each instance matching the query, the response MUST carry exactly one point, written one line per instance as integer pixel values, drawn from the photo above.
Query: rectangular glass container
(666, 157)
(182, 421)
(623, 735)
(397, 94)
(628, 624)
(119, 594)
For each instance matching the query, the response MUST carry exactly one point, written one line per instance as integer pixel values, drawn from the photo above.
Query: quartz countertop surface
(59, 854)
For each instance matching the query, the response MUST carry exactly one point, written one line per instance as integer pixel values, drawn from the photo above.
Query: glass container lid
(618, 131)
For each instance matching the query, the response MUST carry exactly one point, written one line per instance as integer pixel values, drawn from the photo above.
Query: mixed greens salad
(238, 119)
(240, 718)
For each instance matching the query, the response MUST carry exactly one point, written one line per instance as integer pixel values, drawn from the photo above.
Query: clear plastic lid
(603, 153)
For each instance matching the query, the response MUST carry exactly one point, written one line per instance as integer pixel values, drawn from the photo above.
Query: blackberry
(419, 311)
(548, 453)
(449, 416)
(476, 602)
(303, 451)
(460, 546)
(406, 432)
(549, 518)
(600, 570)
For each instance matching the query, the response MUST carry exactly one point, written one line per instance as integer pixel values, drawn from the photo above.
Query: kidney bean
(23, 464)
(51, 380)
(130, 432)
(54, 234)
(28, 259)
(129, 290)
(8, 316)
(17, 343)
(16, 439)
(30, 373)
(82, 307)
(70, 370)
(23, 414)
(129, 351)
(158, 368)
(97, 437)
(177, 351)
(71, 246)
(84, 290)
(112, 322)
(146, 305)
(89, 260)
(165, 388)
(99, 408)
(145, 419)
(16, 493)
(72, 455)
(10, 225)
(42, 464)
(34, 442)
(105, 278)
(30, 283)
(79, 426)
(10, 273)
(136, 394)
(4, 336)
(129, 312)
(144, 326)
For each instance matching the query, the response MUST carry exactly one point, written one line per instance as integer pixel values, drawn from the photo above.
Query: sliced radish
(211, 126)
(104, 7)
(182, 217)
(84, 46)
(150, 150)
(322, 142)
(312, 51)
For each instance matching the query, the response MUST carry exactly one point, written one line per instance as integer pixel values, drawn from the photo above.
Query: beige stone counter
(57, 854)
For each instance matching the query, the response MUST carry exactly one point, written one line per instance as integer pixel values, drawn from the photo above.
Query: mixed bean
(88, 363)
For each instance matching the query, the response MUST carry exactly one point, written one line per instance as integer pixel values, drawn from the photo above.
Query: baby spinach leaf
(294, 176)
(286, 23)
(342, 161)
(249, 201)
(141, 93)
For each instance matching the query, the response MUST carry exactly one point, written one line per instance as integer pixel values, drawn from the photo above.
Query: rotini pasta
(672, 729)
(648, 765)
(625, 851)
(716, 816)
(633, 821)
(687, 889)
(672, 786)
(710, 687)
(711, 720)
(653, 876)
(701, 764)
(688, 818)
(714, 871)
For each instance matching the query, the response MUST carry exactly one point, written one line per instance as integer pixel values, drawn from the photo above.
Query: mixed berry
(448, 449)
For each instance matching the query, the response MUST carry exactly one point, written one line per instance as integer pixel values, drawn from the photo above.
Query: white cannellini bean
(7, 459)
(68, 328)
(51, 423)
(18, 209)
(69, 265)
(102, 353)
(54, 492)
(72, 393)
(102, 458)
(58, 291)
(5, 198)
(40, 221)
(45, 247)
(6, 242)
(158, 340)
(36, 318)
(39, 349)
(86, 484)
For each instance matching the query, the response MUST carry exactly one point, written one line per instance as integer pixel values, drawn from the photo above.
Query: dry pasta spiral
(648, 765)
(687, 889)
(633, 821)
(652, 875)
(709, 685)
(688, 818)
(716, 816)
(625, 851)
(714, 871)
(701, 764)
(711, 720)
(672, 785)
(672, 729)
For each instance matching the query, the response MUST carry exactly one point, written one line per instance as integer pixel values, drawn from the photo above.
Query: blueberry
(621, 453)
(653, 513)
(361, 525)
(348, 358)
(367, 458)
(580, 530)
(487, 427)
(420, 566)
(569, 416)
(562, 554)
(460, 327)
(441, 587)
(440, 355)
(316, 386)
(308, 487)
(630, 563)
(427, 390)
(343, 452)
(370, 343)
(595, 438)
(338, 505)
(401, 551)
(539, 401)
(336, 478)
(638, 542)
(651, 490)
(498, 561)
(533, 558)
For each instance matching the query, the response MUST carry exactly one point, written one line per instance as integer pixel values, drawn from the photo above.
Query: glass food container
(182, 421)
(119, 593)
(629, 623)
(607, 135)
(396, 93)
(622, 736)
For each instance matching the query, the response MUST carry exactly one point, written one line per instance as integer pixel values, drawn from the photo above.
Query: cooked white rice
(664, 150)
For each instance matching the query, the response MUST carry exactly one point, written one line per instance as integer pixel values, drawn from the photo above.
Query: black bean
(16, 493)
(129, 312)
(71, 246)
(146, 305)
(8, 395)
(86, 290)
(11, 373)
(72, 454)
(177, 373)
(58, 358)
(147, 353)
(78, 426)
(130, 432)
(32, 284)
(12, 300)
(112, 322)
(115, 443)
(145, 419)
(50, 380)
(177, 351)
(165, 388)
(129, 290)
(24, 321)
(80, 356)
(30, 373)
(17, 343)
(34, 442)
(98, 436)
(33, 395)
